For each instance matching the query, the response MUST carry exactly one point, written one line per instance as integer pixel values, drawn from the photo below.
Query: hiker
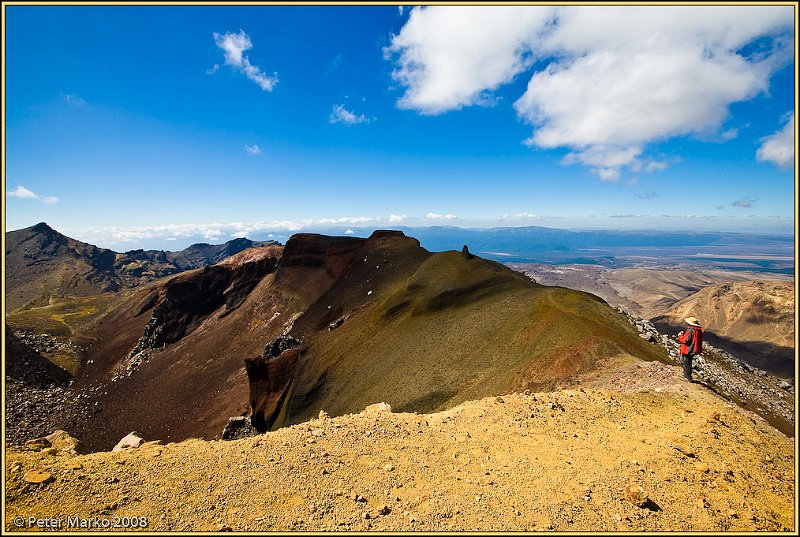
(691, 345)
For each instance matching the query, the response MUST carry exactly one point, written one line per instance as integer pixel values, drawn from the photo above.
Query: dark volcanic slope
(42, 264)
(381, 319)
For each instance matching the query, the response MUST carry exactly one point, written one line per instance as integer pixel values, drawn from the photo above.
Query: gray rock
(238, 427)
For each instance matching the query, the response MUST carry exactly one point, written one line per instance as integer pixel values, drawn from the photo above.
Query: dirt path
(528, 462)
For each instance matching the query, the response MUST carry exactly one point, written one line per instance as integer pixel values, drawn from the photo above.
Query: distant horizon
(137, 124)
(183, 242)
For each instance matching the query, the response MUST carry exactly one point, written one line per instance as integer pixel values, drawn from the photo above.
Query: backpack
(695, 340)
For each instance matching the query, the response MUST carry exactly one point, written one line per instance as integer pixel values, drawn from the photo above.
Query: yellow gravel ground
(523, 462)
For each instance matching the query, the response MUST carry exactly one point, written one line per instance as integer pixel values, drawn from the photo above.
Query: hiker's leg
(687, 367)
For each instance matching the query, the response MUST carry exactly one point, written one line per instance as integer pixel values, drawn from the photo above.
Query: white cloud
(343, 220)
(449, 57)
(653, 166)
(436, 216)
(522, 216)
(212, 70)
(614, 78)
(607, 174)
(212, 234)
(234, 45)
(23, 193)
(349, 232)
(396, 218)
(252, 149)
(778, 148)
(340, 114)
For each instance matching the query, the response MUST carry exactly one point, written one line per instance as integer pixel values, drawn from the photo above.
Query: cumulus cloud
(233, 46)
(340, 114)
(436, 216)
(23, 193)
(449, 57)
(252, 149)
(349, 232)
(778, 148)
(613, 79)
(396, 218)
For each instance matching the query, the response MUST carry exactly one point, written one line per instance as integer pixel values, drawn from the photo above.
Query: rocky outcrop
(38, 399)
(188, 299)
(270, 377)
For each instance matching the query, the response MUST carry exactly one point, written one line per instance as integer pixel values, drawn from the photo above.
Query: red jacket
(691, 340)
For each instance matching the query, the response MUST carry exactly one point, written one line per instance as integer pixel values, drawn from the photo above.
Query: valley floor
(523, 462)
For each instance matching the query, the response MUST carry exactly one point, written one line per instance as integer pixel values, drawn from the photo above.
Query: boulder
(238, 427)
(63, 441)
(378, 407)
(132, 440)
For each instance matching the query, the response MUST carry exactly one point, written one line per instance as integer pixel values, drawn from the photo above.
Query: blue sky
(151, 126)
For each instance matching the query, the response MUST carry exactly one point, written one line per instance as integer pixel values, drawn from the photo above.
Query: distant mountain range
(534, 244)
(41, 263)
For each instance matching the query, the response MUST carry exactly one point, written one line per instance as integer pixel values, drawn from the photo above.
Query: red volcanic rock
(269, 380)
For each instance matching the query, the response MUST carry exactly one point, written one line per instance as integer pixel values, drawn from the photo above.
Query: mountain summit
(42, 263)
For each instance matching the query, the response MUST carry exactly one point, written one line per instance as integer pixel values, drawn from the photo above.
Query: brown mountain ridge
(42, 263)
(378, 319)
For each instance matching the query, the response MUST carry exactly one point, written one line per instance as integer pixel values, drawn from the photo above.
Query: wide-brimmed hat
(693, 321)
